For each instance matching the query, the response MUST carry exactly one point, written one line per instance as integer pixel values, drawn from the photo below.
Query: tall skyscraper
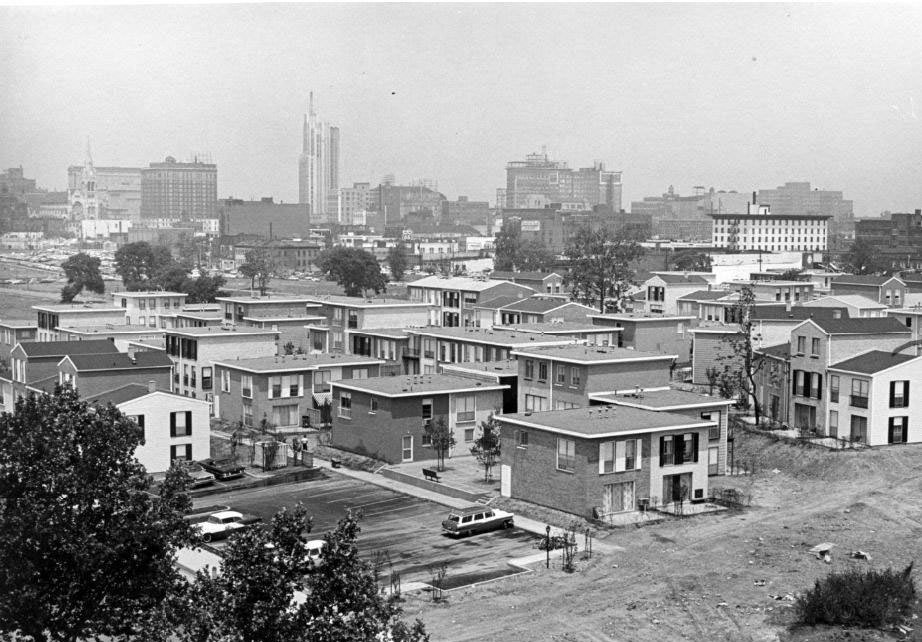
(318, 167)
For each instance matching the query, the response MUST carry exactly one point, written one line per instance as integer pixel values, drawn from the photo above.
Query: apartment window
(859, 398)
(372, 405)
(275, 387)
(345, 405)
(142, 303)
(529, 369)
(294, 385)
(360, 373)
(574, 376)
(464, 406)
(322, 381)
(833, 423)
(285, 415)
(248, 414)
(815, 385)
(713, 431)
(834, 388)
(859, 429)
(521, 439)
(899, 394)
(678, 449)
(815, 347)
(142, 320)
(206, 378)
(801, 345)
(619, 456)
(139, 419)
(469, 435)
(896, 430)
(534, 403)
(181, 424)
(566, 454)
(246, 386)
(181, 451)
(542, 371)
(564, 405)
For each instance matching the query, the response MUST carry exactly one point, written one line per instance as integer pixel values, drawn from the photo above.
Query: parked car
(223, 523)
(476, 519)
(200, 476)
(315, 549)
(223, 469)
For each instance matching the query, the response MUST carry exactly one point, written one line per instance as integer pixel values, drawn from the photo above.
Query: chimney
(753, 197)
(151, 386)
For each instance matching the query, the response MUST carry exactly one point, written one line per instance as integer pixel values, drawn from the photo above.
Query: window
(372, 405)
(206, 377)
(631, 448)
(678, 449)
(574, 376)
(859, 429)
(139, 419)
(859, 398)
(542, 371)
(834, 388)
(619, 456)
(294, 385)
(535, 403)
(801, 344)
(322, 381)
(275, 387)
(564, 405)
(815, 347)
(181, 451)
(345, 405)
(897, 429)
(246, 386)
(468, 435)
(521, 439)
(566, 454)
(285, 415)
(899, 394)
(181, 424)
(713, 431)
(529, 369)
(833, 423)
(465, 408)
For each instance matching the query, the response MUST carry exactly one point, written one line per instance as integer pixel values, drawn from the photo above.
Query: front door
(804, 416)
(676, 488)
(407, 448)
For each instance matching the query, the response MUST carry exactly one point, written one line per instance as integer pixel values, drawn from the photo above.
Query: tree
(258, 268)
(354, 269)
(742, 362)
(397, 261)
(203, 289)
(140, 264)
(486, 448)
(533, 255)
(506, 246)
(691, 261)
(85, 547)
(600, 266)
(269, 589)
(864, 258)
(82, 272)
(441, 438)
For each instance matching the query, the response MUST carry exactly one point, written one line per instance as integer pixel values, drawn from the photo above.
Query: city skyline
(734, 97)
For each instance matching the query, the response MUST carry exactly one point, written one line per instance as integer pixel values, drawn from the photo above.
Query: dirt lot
(712, 577)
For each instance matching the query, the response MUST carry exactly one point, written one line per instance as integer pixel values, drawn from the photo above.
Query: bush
(859, 598)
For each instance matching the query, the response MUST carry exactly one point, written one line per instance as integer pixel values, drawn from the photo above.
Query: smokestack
(753, 197)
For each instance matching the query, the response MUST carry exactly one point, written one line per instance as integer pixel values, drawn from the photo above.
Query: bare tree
(742, 357)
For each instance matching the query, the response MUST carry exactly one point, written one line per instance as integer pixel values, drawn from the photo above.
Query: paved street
(408, 528)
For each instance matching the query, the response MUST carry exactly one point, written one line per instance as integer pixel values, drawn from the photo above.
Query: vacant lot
(713, 578)
(408, 529)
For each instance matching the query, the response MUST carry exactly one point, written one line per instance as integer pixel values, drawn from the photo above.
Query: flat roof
(632, 316)
(205, 315)
(499, 368)
(149, 293)
(18, 324)
(660, 399)
(390, 333)
(78, 307)
(480, 335)
(604, 421)
(219, 331)
(366, 302)
(541, 304)
(267, 299)
(462, 283)
(550, 327)
(415, 385)
(276, 319)
(592, 354)
(132, 391)
(111, 329)
(289, 363)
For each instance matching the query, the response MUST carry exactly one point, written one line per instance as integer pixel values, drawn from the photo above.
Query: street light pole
(547, 530)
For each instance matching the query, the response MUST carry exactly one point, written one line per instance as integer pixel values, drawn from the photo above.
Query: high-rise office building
(797, 199)
(538, 181)
(318, 167)
(174, 190)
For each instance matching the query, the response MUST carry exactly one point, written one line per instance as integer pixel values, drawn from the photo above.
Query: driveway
(406, 528)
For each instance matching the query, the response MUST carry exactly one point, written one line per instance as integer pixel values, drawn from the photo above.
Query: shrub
(859, 598)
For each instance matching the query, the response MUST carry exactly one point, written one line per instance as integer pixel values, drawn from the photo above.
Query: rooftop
(861, 325)
(481, 335)
(390, 333)
(862, 279)
(220, 331)
(680, 279)
(78, 307)
(707, 295)
(540, 305)
(854, 300)
(499, 302)
(501, 368)
(301, 318)
(591, 354)
(64, 348)
(779, 351)
(127, 393)
(604, 421)
(873, 361)
(556, 327)
(111, 328)
(18, 324)
(468, 284)
(289, 363)
(119, 361)
(148, 293)
(367, 302)
(413, 385)
(505, 275)
(780, 312)
(281, 299)
(661, 399)
(641, 316)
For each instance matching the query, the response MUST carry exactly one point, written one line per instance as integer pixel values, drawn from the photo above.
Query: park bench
(431, 475)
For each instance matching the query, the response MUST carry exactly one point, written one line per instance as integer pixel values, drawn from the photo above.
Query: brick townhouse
(651, 332)
(541, 309)
(144, 308)
(284, 315)
(91, 374)
(53, 316)
(15, 331)
(663, 289)
(452, 299)
(888, 290)
(344, 317)
(545, 282)
(602, 460)
(578, 331)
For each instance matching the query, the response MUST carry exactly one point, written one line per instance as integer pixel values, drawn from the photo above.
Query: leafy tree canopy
(82, 272)
(397, 261)
(357, 271)
(258, 268)
(864, 258)
(691, 261)
(85, 548)
(140, 264)
(511, 252)
(601, 266)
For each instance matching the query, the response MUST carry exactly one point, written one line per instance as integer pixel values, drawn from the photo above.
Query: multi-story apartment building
(856, 305)
(194, 352)
(663, 290)
(287, 392)
(888, 290)
(143, 308)
(173, 190)
(286, 255)
(173, 427)
(538, 181)
(434, 346)
(13, 332)
(354, 203)
(452, 299)
(563, 376)
(53, 316)
(504, 373)
(540, 282)
(385, 417)
(92, 374)
(599, 461)
(536, 309)
(817, 344)
(651, 332)
(773, 381)
(467, 212)
(578, 332)
(342, 315)
(285, 315)
(776, 290)
(391, 345)
(766, 231)
(912, 319)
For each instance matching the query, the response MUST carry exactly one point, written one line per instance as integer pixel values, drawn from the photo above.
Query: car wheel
(507, 524)
(206, 537)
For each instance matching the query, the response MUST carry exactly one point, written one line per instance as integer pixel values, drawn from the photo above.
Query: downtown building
(173, 190)
(318, 168)
(103, 192)
(539, 181)
(799, 199)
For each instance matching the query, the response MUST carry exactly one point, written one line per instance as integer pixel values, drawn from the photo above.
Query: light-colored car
(315, 548)
(476, 519)
(220, 524)
(200, 476)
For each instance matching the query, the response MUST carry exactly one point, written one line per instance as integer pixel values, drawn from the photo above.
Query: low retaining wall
(435, 487)
(291, 477)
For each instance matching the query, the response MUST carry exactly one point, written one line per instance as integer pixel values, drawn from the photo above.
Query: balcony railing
(411, 352)
(858, 402)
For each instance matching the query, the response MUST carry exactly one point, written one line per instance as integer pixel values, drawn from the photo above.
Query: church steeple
(88, 162)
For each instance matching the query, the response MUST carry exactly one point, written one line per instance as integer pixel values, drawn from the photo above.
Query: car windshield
(214, 520)
(453, 518)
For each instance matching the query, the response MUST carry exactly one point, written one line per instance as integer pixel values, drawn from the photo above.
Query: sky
(734, 96)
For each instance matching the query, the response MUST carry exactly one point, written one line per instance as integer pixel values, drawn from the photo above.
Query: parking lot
(407, 528)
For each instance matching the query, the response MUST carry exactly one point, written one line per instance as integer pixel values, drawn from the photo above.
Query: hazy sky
(731, 96)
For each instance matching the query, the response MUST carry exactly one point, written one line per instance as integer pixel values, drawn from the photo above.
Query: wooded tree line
(87, 548)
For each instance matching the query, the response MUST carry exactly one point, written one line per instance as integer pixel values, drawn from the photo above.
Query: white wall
(154, 453)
